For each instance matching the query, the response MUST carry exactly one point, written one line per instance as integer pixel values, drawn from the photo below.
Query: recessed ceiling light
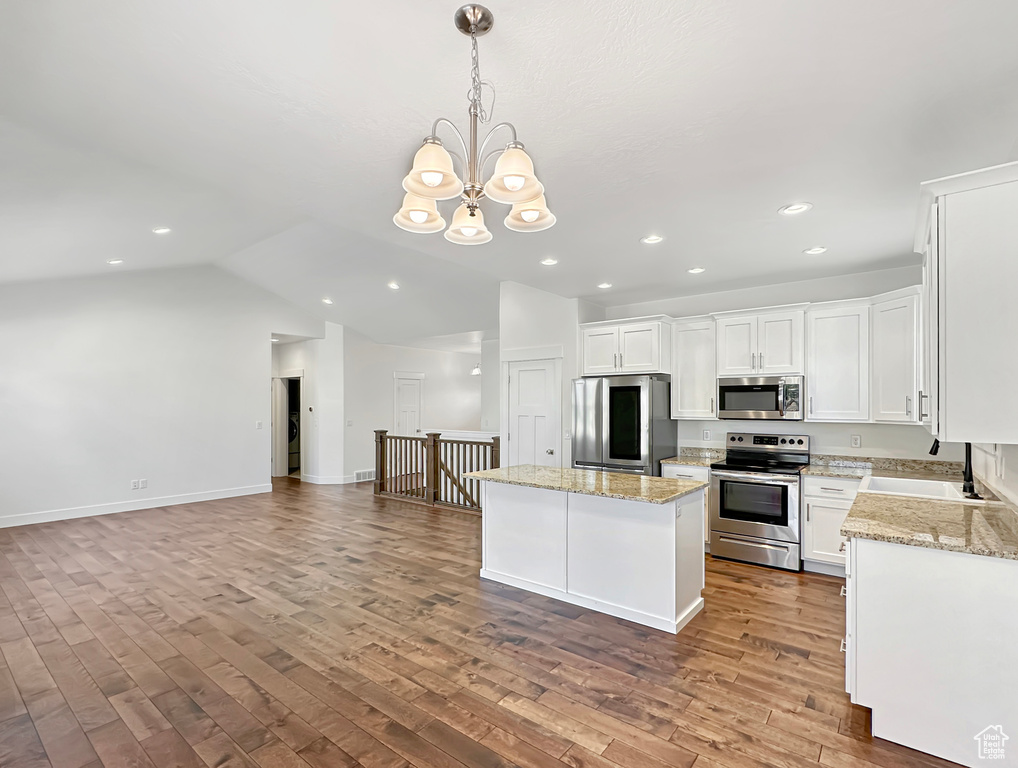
(651, 239)
(604, 285)
(394, 285)
(815, 250)
(695, 270)
(549, 262)
(161, 230)
(326, 300)
(794, 209)
(114, 262)
(274, 339)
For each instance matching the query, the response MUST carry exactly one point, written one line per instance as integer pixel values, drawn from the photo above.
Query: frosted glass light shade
(433, 163)
(537, 210)
(504, 186)
(413, 208)
(466, 229)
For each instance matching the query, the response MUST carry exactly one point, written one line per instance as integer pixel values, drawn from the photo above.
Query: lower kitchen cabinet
(692, 472)
(825, 504)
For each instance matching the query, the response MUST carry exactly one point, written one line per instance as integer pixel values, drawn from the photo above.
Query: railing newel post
(432, 459)
(381, 470)
(495, 452)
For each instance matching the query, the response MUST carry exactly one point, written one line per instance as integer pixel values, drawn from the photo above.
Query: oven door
(755, 504)
(753, 398)
(625, 422)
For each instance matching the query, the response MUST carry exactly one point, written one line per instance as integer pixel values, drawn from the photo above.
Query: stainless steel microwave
(761, 397)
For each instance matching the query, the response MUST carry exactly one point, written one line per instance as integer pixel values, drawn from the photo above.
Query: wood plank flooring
(319, 626)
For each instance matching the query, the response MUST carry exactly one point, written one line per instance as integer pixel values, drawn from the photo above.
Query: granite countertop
(822, 465)
(981, 528)
(696, 457)
(615, 485)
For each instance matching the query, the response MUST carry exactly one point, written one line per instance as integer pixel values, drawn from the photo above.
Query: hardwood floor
(318, 626)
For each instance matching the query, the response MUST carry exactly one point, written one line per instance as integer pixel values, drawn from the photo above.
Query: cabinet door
(600, 350)
(838, 379)
(822, 537)
(737, 340)
(780, 347)
(694, 381)
(640, 348)
(687, 472)
(929, 387)
(895, 360)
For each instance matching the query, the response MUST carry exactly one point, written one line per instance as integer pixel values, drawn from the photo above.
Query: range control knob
(740, 439)
(732, 438)
(783, 441)
(800, 441)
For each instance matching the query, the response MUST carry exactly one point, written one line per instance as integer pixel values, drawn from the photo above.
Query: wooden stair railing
(431, 470)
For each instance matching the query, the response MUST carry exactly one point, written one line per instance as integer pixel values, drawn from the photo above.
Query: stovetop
(774, 454)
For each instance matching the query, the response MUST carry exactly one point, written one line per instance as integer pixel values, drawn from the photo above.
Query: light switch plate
(143, 483)
(706, 434)
(258, 425)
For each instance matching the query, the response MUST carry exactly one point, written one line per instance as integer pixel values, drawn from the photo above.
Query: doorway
(407, 401)
(533, 427)
(287, 427)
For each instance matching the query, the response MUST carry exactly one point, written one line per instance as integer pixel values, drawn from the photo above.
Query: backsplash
(895, 441)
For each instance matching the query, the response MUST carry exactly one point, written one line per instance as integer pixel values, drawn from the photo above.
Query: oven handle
(761, 479)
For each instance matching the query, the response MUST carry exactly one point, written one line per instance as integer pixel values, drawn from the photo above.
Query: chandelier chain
(477, 84)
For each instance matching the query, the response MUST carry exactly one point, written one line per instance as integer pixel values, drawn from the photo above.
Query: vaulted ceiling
(272, 137)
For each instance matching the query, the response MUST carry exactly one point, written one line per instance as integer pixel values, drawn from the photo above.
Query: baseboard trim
(828, 569)
(71, 513)
(621, 612)
(330, 480)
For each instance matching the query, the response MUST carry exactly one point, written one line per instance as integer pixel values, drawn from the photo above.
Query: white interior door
(407, 416)
(280, 429)
(534, 400)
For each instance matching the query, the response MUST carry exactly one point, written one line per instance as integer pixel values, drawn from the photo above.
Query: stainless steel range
(754, 499)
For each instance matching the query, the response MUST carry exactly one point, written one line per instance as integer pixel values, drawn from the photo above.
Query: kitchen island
(626, 545)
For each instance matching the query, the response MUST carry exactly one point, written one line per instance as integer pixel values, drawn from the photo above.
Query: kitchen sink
(904, 486)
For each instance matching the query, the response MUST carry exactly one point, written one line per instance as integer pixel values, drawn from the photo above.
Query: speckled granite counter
(823, 465)
(696, 457)
(989, 528)
(615, 485)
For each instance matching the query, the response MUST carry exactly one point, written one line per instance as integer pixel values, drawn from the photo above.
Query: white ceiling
(272, 136)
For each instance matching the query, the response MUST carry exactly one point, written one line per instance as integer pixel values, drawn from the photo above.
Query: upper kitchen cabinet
(968, 234)
(694, 380)
(638, 347)
(838, 368)
(896, 355)
(760, 344)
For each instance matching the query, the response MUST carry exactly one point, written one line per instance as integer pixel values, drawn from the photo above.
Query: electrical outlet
(857, 441)
(135, 485)
(706, 434)
(143, 483)
(258, 425)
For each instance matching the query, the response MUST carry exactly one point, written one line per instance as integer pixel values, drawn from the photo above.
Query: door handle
(921, 396)
(550, 451)
(908, 405)
(811, 405)
(712, 406)
(761, 361)
(752, 356)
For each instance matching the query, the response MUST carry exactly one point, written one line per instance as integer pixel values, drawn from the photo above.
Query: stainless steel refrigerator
(623, 424)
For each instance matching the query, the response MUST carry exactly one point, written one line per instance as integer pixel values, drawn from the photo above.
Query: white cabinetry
(690, 472)
(761, 344)
(837, 377)
(969, 233)
(631, 347)
(826, 502)
(694, 380)
(930, 645)
(896, 359)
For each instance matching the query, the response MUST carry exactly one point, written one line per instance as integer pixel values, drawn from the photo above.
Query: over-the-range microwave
(761, 397)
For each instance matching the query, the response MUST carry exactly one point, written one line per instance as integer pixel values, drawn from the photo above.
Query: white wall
(323, 405)
(160, 375)
(451, 396)
(530, 319)
(899, 441)
(822, 289)
(491, 413)
(997, 466)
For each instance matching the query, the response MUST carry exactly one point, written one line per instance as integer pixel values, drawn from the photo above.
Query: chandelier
(434, 178)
